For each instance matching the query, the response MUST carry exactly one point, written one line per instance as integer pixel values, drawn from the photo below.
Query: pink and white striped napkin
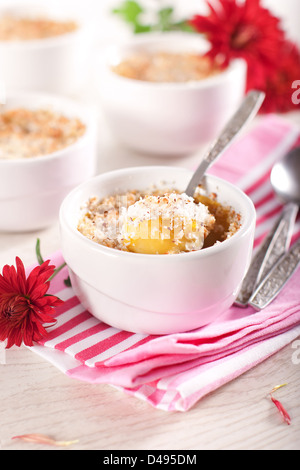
(172, 372)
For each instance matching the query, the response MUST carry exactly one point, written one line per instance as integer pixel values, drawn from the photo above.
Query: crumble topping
(28, 133)
(14, 28)
(167, 67)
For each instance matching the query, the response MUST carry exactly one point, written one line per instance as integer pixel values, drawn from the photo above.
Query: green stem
(56, 271)
(38, 252)
(41, 261)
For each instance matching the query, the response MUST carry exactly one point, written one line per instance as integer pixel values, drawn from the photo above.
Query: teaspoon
(248, 109)
(285, 180)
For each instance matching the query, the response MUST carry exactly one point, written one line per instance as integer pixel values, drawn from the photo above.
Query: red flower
(278, 85)
(24, 304)
(242, 30)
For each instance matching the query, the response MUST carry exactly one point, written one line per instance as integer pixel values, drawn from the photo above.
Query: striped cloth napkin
(172, 372)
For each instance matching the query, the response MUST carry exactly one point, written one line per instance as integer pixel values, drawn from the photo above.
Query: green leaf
(165, 16)
(142, 28)
(129, 11)
(184, 26)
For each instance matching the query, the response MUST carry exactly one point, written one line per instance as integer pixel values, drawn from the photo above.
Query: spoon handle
(274, 246)
(246, 111)
(279, 275)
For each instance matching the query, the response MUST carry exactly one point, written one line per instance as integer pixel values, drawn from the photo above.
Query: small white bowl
(58, 64)
(32, 189)
(155, 294)
(168, 118)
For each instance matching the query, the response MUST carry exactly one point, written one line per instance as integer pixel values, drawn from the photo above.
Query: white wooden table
(36, 397)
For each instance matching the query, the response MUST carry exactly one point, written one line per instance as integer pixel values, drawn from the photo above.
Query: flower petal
(43, 439)
(277, 387)
(39, 275)
(282, 410)
(21, 276)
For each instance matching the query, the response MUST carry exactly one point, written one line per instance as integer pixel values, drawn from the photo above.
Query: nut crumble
(14, 28)
(105, 221)
(28, 133)
(167, 67)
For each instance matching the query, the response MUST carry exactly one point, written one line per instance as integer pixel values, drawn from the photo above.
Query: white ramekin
(59, 64)
(168, 118)
(155, 294)
(32, 189)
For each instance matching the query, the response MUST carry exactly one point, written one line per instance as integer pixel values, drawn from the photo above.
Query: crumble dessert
(157, 222)
(171, 223)
(167, 67)
(14, 28)
(26, 133)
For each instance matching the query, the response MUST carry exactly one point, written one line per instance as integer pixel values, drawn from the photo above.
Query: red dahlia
(24, 304)
(242, 30)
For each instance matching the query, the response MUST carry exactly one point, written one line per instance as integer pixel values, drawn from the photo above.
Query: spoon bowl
(285, 177)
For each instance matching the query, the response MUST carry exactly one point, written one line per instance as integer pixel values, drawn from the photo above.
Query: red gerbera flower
(278, 85)
(242, 30)
(24, 304)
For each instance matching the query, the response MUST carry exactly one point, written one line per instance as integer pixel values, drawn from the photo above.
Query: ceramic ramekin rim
(107, 251)
(53, 41)
(45, 43)
(235, 64)
(83, 109)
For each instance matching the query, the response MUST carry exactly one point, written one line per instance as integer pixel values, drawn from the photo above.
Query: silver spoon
(276, 279)
(248, 109)
(285, 180)
(285, 177)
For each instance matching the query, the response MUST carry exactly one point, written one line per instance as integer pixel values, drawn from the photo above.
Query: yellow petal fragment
(277, 387)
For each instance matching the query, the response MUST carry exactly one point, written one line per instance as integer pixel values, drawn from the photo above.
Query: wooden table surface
(35, 397)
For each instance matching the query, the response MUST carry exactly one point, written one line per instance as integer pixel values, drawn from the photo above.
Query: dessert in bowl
(43, 49)
(149, 287)
(47, 147)
(162, 96)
